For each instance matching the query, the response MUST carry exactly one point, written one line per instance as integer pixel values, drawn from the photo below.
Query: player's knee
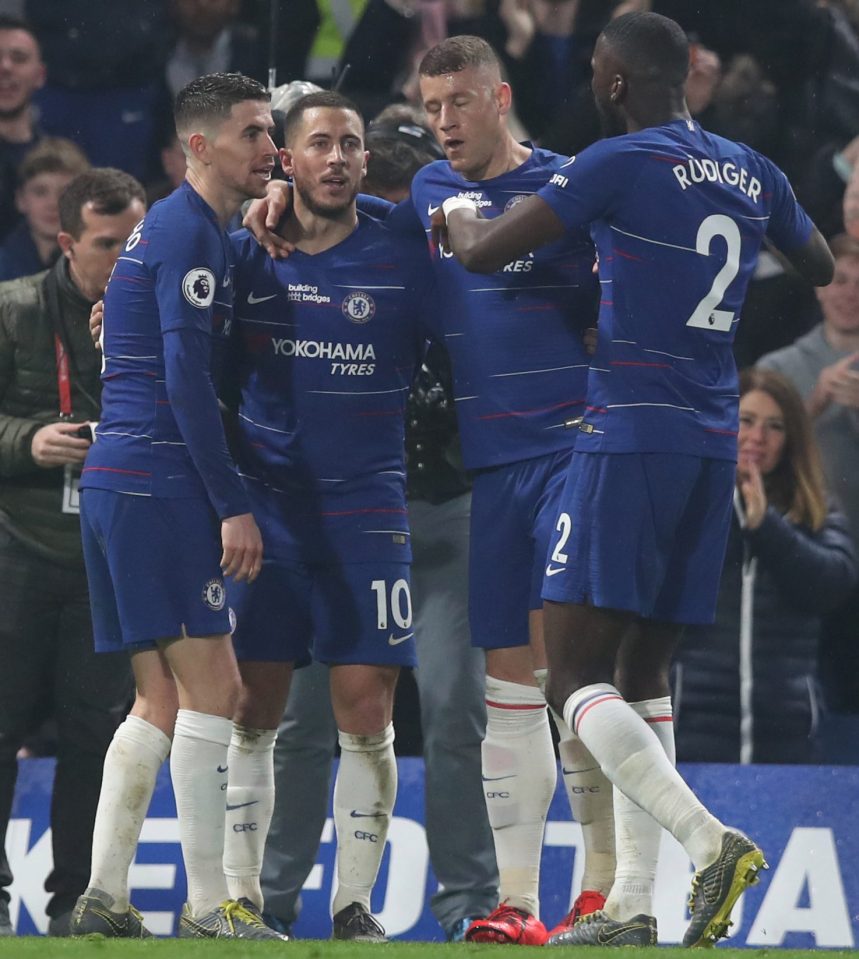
(366, 721)
(256, 713)
(363, 698)
(158, 713)
(230, 694)
(263, 693)
(364, 712)
(644, 681)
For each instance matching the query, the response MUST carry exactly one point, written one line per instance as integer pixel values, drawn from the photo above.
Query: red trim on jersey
(659, 719)
(628, 256)
(113, 469)
(723, 432)
(544, 409)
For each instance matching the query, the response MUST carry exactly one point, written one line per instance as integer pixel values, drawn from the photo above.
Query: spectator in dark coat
(745, 687)
(49, 395)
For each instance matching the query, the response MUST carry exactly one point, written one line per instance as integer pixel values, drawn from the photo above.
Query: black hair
(654, 48)
(210, 98)
(107, 190)
(413, 136)
(396, 155)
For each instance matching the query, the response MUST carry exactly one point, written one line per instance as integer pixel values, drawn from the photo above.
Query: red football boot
(587, 901)
(509, 925)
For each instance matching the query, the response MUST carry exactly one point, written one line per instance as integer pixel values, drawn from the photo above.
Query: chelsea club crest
(359, 307)
(514, 200)
(214, 594)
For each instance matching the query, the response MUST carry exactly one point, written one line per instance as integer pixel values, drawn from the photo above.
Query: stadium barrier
(805, 817)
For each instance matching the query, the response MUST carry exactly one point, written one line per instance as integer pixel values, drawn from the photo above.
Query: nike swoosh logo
(606, 937)
(432, 209)
(396, 640)
(259, 299)
(495, 779)
(365, 815)
(241, 805)
(223, 769)
(554, 570)
(571, 772)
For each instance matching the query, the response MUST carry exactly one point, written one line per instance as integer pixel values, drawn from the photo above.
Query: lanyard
(64, 383)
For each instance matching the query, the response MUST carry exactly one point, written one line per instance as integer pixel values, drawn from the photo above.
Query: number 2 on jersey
(564, 526)
(705, 315)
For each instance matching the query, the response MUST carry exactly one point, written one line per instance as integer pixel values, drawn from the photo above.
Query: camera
(85, 432)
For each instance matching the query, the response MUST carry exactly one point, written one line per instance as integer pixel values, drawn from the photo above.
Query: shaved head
(652, 48)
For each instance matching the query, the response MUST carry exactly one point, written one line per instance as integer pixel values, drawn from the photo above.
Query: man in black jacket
(49, 394)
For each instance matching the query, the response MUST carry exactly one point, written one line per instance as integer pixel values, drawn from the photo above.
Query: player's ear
(503, 97)
(198, 145)
(285, 155)
(618, 90)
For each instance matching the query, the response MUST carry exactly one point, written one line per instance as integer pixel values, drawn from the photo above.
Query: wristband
(457, 203)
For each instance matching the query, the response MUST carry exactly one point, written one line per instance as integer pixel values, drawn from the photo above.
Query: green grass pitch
(42, 948)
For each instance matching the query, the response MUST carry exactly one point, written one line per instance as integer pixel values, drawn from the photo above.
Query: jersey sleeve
(426, 294)
(186, 263)
(242, 243)
(195, 408)
(789, 225)
(583, 189)
(374, 206)
(404, 218)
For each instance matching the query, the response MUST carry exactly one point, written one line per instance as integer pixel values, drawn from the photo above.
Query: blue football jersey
(678, 216)
(328, 347)
(175, 274)
(515, 336)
